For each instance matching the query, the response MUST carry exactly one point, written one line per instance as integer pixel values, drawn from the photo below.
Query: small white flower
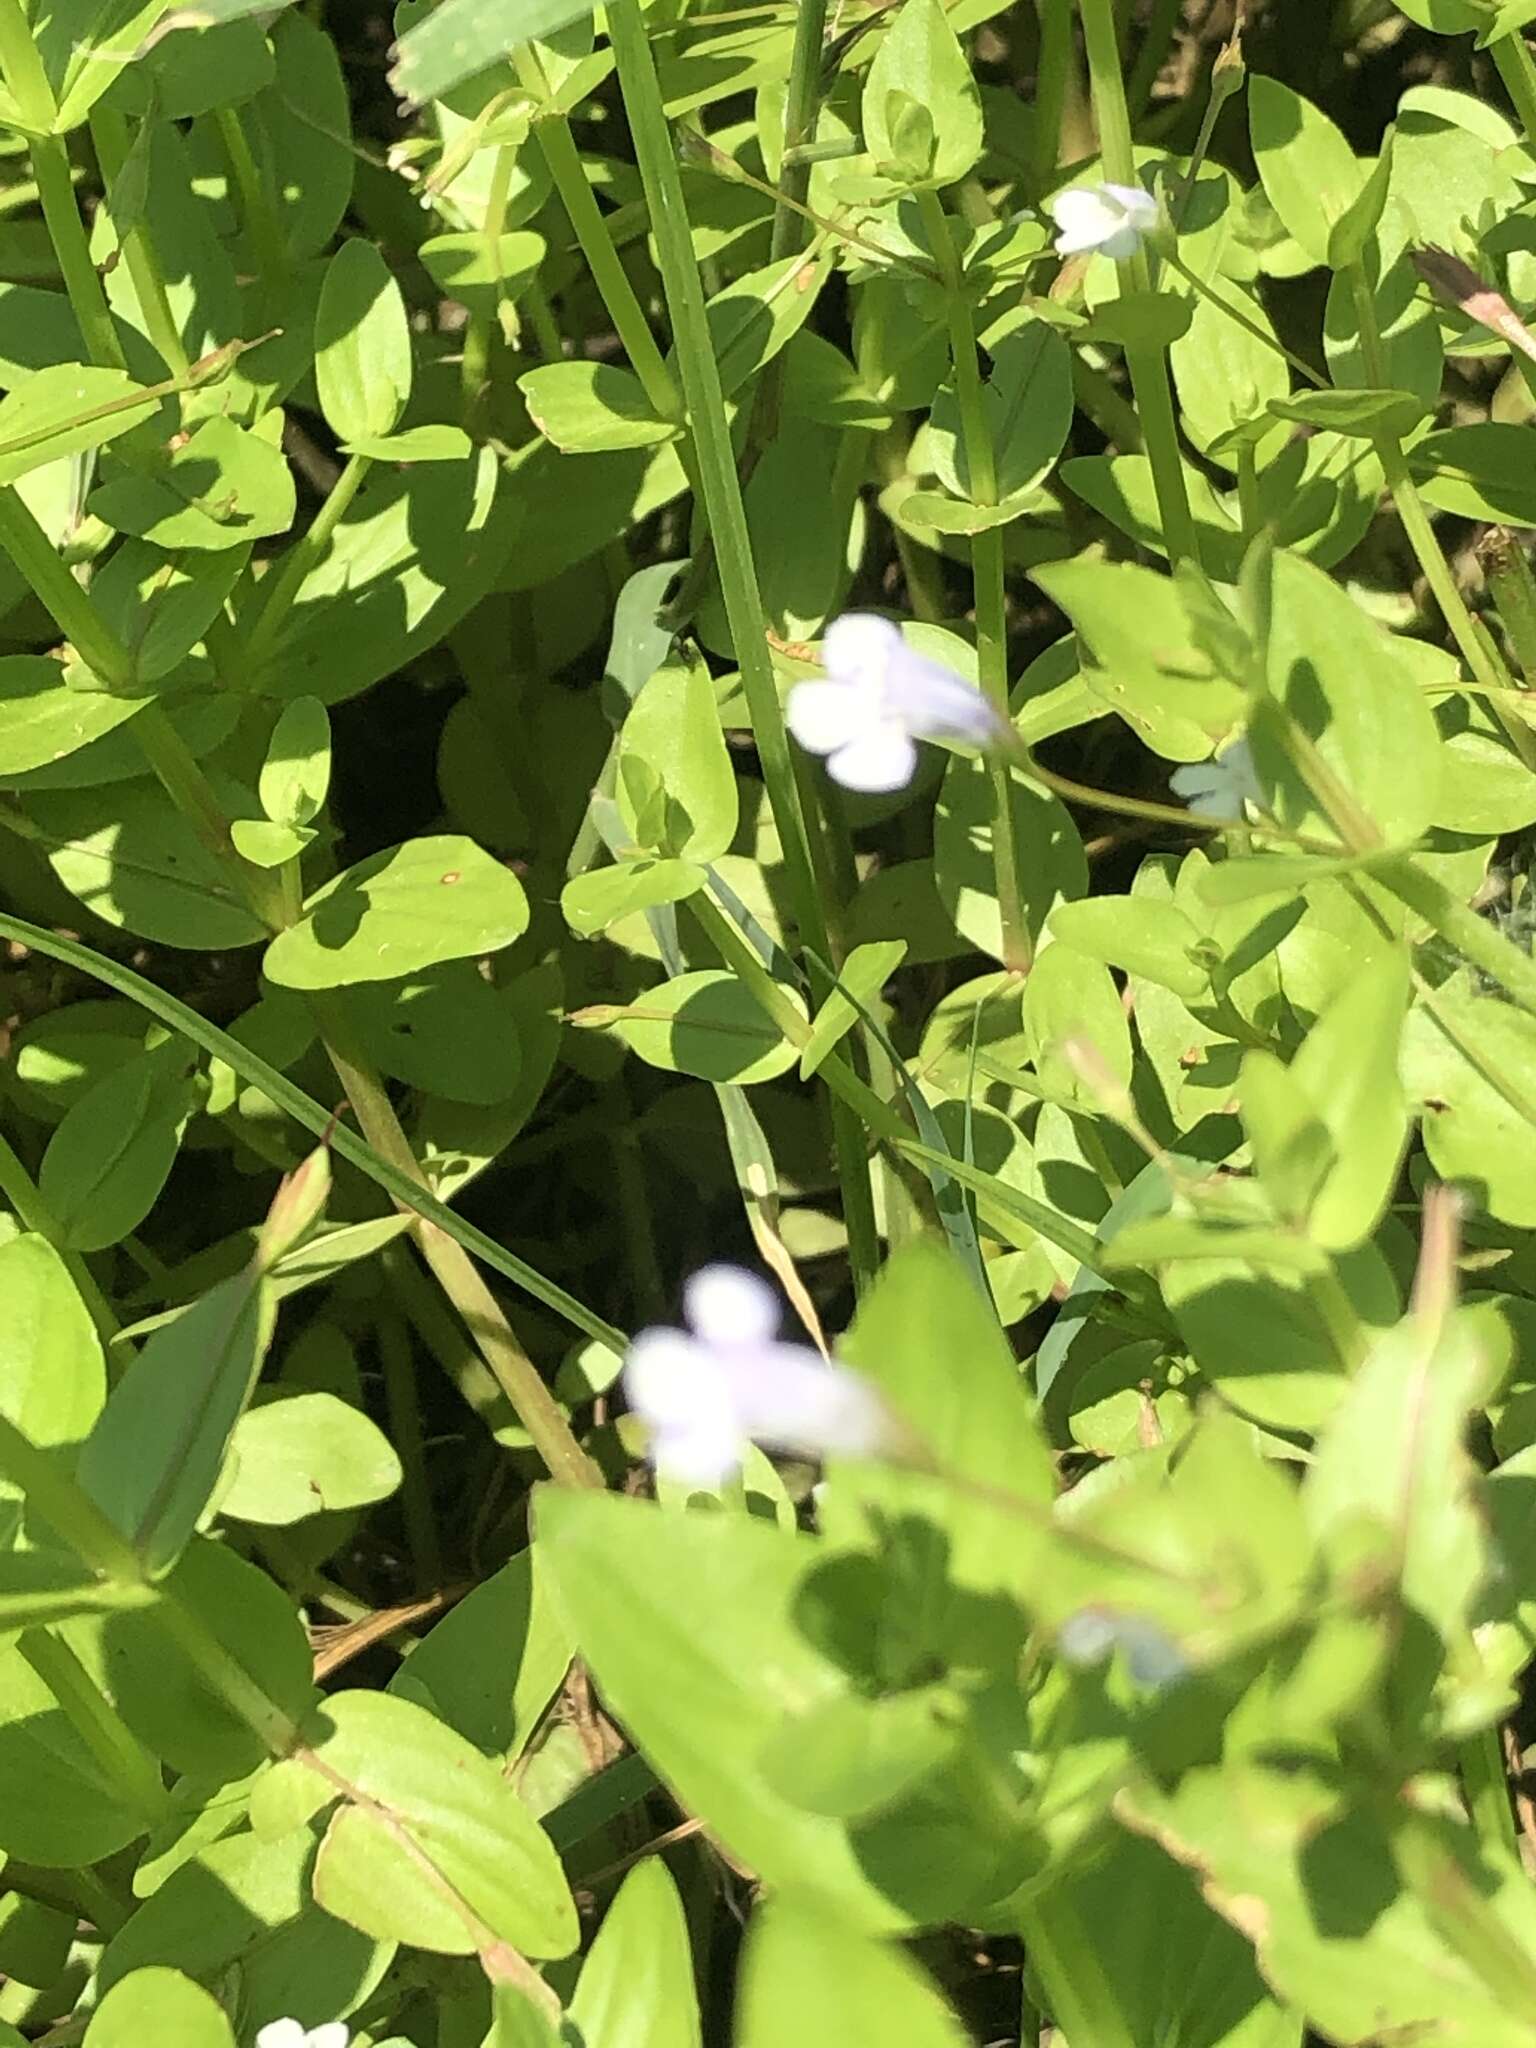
(291, 2034)
(880, 696)
(1151, 1656)
(727, 1381)
(1108, 219)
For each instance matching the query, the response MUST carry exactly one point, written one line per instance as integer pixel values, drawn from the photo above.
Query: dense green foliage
(475, 850)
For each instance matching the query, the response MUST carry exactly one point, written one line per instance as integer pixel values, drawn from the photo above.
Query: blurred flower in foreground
(289, 2034)
(1107, 220)
(1219, 788)
(878, 699)
(727, 1381)
(1153, 1658)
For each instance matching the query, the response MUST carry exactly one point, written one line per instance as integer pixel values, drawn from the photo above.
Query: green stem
(50, 167)
(1156, 39)
(109, 133)
(275, 596)
(32, 1212)
(987, 574)
(1474, 647)
(1053, 76)
(552, 131)
(1472, 936)
(24, 540)
(259, 215)
(1485, 1786)
(802, 105)
(1517, 68)
(475, 364)
(69, 1511)
(1513, 590)
(1202, 290)
(179, 774)
(225, 1676)
(22, 63)
(718, 483)
(405, 1433)
(515, 1373)
(1148, 366)
(123, 1759)
(310, 1116)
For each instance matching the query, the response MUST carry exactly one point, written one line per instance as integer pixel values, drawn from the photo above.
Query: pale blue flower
(292, 2034)
(728, 1381)
(1152, 1657)
(1220, 788)
(880, 697)
(1102, 220)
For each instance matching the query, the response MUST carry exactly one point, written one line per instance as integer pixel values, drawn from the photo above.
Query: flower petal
(1138, 204)
(877, 763)
(858, 648)
(728, 1305)
(281, 2034)
(933, 703)
(670, 1378)
(826, 716)
(786, 1396)
(333, 2034)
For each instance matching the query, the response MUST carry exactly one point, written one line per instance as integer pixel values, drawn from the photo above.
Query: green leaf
(757, 314)
(1478, 472)
(636, 1986)
(64, 409)
(242, 1906)
(1344, 682)
(132, 859)
(1141, 935)
(432, 899)
(430, 1844)
(42, 720)
(163, 1696)
(1284, 1851)
(921, 69)
(113, 1152)
(491, 1666)
(306, 1454)
(1143, 656)
(1363, 413)
(223, 487)
(1028, 404)
(417, 548)
(977, 1419)
(152, 1464)
(1347, 1069)
(60, 1803)
(38, 1586)
(807, 1977)
(707, 1024)
(583, 407)
(671, 743)
(1069, 998)
(35, 1941)
(479, 275)
(362, 345)
(1050, 853)
(446, 1030)
(161, 605)
(462, 37)
(1177, 1972)
(860, 979)
(1468, 1063)
(1311, 176)
(52, 1380)
(160, 2005)
(599, 898)
(436, 443)
(266, 845)
(296, 775)
(1225, 375)
(689, 1624)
